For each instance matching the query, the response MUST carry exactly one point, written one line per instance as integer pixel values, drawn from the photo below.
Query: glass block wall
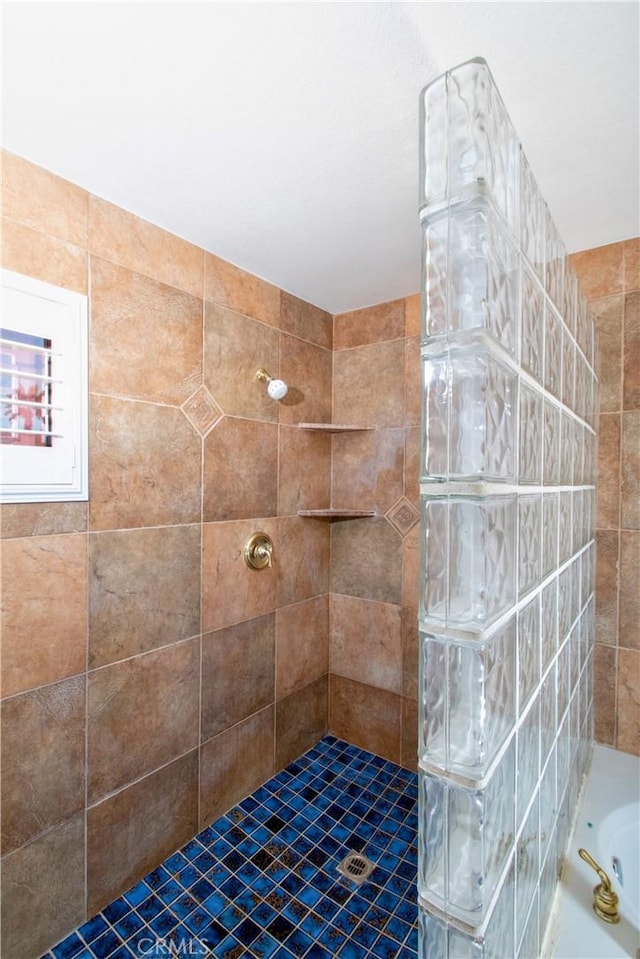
(507, 496)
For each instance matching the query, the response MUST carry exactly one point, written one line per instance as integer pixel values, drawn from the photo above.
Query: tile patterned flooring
(262, 880)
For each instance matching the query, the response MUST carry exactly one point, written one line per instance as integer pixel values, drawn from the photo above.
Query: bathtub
(607, 826)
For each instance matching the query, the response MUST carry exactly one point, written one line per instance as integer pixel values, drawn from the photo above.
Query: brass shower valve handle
(258, 551)
(605, 901)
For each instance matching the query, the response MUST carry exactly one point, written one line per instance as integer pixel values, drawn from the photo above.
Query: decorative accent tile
(202, 411)
(403, 516)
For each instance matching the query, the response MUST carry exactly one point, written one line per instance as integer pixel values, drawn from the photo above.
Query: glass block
(432, 936)
(582, 382)
(483, 275)
(469, 701)
(532, 325)
(574, 657)
(527, 867)
(562, 679)
(566, 450)
(550, 507)
(565, 540)
(547, 803)
(528, 651)
(482, 146)
(530, 406)
(564, 604)
(546, 891)
(469, 560)
(532, 218)
(549, 623)
(469, 417)
(568, 370)
(435, 245)
(548, 716)
(528, 746)
(578, 459)
(433, 142)
(530, 542)
(570, 300)
(555, 257)
(529, 946)
(499, 939)
(551, 444)
(576, 520)
(553, 353)
(563, 767)
(459, 866)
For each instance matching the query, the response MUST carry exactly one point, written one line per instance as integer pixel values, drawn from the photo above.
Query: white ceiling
(284, 136)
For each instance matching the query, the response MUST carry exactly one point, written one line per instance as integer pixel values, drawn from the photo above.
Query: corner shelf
(335, 428)
(332, 513)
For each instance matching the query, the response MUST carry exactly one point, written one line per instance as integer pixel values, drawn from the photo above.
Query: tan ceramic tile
(243, 292)
(238, 673)
(629, 633)
(306, 369)
(409, 653)
(143, 713)
(130, 833)
(600, 271)
(301, 720)
(373, 324)
(42, 760)
(631, 384)
(124, 238)
(409, 743)
(411, 568)
(43, 257)
(302, 559)
(43, 201)
(240, 470)
(368, 385)
(44, 610)
(305, 321)
(632, 264)
(366, 560)
(628, 727)
(608, 318)
(43, 891)
(412, 382)
(604, 694)
(236, 346)
(304, 470)
(302, 644)
(231, 591)
(146, 337)
(608, 487)
(235, 763)
(412, 313)
(367, 469)
(144, 465)
(630, 457)
(366, 642)
(607, 586)
(144, 590)
(412, 466)
(365, 716)
(403, 516)
(42, 519)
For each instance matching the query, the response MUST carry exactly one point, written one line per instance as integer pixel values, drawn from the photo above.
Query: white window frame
(60, 472)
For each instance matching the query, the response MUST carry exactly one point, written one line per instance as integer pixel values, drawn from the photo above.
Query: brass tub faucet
(605, 901)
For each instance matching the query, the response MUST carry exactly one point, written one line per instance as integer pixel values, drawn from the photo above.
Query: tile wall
(150, 679)
(610, 278)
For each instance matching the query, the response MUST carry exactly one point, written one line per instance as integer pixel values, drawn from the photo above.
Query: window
(43, 392)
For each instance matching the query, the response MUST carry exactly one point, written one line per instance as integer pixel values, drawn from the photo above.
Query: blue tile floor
(262, 880)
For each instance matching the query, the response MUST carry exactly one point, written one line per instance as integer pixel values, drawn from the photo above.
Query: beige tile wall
(150, 679)
(610, 278)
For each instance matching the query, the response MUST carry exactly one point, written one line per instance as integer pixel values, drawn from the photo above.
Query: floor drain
(356, 867)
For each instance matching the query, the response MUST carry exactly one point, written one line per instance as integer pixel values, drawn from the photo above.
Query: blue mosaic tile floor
(261, 881)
